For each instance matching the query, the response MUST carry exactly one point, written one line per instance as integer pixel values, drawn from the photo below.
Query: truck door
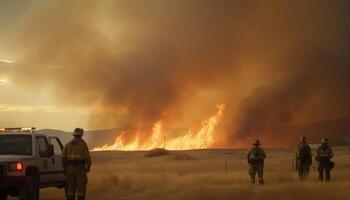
(56, 160)
(44, 163)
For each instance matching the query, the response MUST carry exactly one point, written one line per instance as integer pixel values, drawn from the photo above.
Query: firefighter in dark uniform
(323, 156)
(255, 157)
(303, 158)
(77, 163)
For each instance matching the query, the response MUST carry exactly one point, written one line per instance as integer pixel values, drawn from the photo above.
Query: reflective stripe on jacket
(76, 150)
(324, 151)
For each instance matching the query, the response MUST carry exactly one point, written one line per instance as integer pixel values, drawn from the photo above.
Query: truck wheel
(30, 191)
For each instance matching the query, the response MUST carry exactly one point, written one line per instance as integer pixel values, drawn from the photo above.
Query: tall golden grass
(132, 176)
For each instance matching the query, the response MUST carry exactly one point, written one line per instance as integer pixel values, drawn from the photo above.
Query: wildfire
(200, 139)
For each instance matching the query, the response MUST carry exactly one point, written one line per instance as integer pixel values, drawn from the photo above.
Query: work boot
(81, 198)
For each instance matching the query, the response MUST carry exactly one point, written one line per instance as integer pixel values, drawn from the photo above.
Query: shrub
(157, 152)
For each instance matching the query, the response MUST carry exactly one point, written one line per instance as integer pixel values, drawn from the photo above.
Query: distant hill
(94, 138)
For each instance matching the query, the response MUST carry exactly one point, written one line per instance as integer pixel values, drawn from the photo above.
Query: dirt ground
(201, 174)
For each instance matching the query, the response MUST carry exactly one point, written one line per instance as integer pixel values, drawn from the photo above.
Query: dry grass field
(201, 174)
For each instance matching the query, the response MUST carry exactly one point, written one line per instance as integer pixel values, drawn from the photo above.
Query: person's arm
(310, 155)
(64, 157)
(248, 156)
(297, 152)
(263, 154)
(87, 158)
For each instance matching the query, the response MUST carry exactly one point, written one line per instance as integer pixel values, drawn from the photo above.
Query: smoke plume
(274, 64)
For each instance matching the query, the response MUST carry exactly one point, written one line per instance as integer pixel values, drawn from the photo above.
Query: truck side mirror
(51, 151)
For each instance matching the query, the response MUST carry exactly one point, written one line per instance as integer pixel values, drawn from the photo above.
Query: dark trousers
(324, 171)
(256, 169)
(76, 179)
(303, 169)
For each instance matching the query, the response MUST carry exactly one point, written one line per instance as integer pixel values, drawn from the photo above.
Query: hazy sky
(21, 106)
(131, 63)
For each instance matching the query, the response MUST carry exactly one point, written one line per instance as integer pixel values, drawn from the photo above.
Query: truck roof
(19, 131)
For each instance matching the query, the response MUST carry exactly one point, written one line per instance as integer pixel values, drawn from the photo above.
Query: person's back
(303, 158)
(255, 157)
(77, 163)
(77, 150)
(324, 153)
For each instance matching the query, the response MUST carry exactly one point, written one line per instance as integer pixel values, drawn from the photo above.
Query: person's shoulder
(260, 148)
(82, 142)
(307, 145)
(68, 145)
(70, 142)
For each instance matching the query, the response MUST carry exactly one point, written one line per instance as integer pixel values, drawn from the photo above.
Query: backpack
(304, 152)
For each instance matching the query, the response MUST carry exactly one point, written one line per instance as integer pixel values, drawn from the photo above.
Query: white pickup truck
(28, 162)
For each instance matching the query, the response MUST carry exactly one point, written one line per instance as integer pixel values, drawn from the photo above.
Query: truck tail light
(15, 166)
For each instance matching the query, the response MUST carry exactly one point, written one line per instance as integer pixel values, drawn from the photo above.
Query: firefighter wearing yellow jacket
(255, 157)
(323, 156)
(77, 163)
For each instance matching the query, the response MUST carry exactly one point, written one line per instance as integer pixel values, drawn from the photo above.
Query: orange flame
(201, 139)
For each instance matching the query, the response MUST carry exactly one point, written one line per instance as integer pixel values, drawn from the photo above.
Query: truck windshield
(15, 145)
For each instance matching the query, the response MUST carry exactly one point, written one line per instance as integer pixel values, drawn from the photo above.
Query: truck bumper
(11, 181)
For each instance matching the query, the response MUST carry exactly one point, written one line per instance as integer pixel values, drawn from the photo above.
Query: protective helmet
(324, 140)
(303, 139)
(78, 132)
(256, 142)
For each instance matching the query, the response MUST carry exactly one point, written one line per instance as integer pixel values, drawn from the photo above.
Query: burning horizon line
(201, 139)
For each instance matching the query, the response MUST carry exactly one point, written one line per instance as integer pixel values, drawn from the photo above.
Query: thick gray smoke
(281, 62)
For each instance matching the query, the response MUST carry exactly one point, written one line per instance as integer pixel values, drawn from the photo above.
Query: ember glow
(200, 139)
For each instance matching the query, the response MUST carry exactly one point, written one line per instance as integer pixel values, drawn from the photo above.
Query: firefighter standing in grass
(255, 157)
(76, 162)
(323, 155)
(303, 158)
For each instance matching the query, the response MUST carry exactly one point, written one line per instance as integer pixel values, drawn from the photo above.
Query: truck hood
(7, 158)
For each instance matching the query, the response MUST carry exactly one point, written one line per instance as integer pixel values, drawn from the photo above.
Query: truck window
(16, 145)
(43, 146)
(56, 146)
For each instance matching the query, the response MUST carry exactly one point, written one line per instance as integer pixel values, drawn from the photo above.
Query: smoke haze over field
(273, 63)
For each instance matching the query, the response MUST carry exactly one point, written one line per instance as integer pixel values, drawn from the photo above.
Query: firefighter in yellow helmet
(77, 163)
(323, 156)
(255, 157)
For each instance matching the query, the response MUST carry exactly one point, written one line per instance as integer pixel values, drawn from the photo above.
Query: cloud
(4, 81)
(49, 108)
(7, 61)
